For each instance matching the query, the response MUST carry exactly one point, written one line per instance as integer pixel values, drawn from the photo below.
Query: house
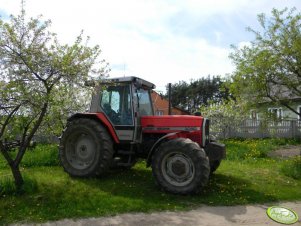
(277, 111)
(161, 106)
(282, 93)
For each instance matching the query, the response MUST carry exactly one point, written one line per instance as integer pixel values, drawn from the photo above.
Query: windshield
(145, 104)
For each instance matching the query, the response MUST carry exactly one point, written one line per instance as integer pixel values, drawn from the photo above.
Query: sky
(160, 41)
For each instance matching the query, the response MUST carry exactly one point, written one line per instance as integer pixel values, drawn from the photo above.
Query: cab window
(116, 103)
(145, 104)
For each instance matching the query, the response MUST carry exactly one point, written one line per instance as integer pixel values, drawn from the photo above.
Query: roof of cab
(134, 79)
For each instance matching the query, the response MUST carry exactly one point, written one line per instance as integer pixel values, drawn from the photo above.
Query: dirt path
(286, 152)
(211, 216)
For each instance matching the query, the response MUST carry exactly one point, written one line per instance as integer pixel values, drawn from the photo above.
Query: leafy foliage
(269, 68)
(190, 96)
(223, 114)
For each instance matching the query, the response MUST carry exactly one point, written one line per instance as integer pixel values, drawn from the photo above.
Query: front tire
(86, 149)
(180, 166)
(214, 165)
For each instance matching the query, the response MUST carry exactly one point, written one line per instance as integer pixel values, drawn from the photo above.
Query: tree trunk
(17, 176)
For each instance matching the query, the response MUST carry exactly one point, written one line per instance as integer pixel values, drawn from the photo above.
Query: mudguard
(215, 151)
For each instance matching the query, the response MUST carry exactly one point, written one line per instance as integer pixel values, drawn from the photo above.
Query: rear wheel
(180, 166)
(86, 149)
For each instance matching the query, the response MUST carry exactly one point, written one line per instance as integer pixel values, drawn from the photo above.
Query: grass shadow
(120, 191)
(139, 184)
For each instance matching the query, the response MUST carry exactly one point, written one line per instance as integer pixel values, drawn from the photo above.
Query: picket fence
(258, 129)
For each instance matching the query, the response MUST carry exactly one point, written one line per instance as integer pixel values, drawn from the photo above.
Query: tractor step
(126, 152)
(124, 164)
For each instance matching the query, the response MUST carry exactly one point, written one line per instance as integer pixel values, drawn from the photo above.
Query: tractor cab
(123, 101)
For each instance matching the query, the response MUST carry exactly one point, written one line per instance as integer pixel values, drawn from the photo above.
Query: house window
(276, 112)
(159, 112)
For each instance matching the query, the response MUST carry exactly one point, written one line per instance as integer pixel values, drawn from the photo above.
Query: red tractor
(121, 127)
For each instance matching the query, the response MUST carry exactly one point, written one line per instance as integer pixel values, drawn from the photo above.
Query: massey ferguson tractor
(121, 127)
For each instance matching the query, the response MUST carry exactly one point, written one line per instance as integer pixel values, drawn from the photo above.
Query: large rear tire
(86, 149)
(180, 166)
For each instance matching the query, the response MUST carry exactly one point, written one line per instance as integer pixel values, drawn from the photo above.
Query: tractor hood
(171, 123)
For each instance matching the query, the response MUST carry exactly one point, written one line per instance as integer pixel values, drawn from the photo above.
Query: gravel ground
(206, 215)
(286, 152)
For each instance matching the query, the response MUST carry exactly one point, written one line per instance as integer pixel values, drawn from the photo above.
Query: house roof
(174, 107)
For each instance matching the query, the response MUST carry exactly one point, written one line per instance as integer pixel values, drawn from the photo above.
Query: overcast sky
(159, 40)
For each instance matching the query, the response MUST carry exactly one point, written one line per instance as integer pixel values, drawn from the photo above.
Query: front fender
(157, 144)
(215, 151)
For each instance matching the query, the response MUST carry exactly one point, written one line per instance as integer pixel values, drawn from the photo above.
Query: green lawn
(247, 176)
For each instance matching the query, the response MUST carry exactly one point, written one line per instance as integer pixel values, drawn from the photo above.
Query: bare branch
(8, 118)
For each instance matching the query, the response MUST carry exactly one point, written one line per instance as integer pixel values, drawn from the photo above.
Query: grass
(254, 148)
(293, 169)
(41, 155)
(246, 176)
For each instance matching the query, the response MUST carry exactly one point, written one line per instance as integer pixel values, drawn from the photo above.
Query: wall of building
(285, 112)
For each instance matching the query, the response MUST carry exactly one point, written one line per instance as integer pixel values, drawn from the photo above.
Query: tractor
(121, 127)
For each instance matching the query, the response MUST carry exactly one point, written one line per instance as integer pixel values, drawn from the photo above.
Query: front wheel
(214, 165)
(180, 166)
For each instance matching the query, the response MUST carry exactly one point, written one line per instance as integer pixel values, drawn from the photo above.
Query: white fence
(258, 129)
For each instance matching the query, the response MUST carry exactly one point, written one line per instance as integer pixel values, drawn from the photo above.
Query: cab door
(143, 106)
(116, 103)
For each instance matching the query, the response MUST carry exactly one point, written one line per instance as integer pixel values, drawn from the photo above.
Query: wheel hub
(178, 169)
(82, 151)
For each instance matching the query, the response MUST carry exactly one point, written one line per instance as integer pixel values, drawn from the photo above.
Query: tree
(38, 77)
(224, 115)
(198, 92)
(269, 70)
(73, 99)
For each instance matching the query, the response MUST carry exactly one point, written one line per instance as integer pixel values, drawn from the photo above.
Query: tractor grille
(205, 133)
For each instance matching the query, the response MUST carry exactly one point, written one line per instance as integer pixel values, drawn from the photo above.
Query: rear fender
(99, 117)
